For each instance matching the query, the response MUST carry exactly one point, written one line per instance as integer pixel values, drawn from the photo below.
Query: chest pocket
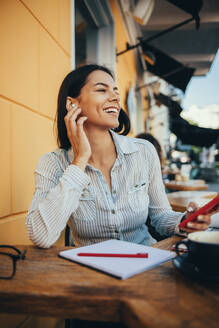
(86, 210)
(137, 197)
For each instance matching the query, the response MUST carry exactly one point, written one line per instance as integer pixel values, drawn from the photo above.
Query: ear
(71, 101)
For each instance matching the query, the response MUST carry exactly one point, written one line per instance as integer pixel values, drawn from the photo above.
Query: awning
(187, 45)
(167, 67)
(191, 7)
(189, 134)
(193, 135)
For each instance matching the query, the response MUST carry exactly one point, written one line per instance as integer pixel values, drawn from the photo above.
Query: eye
(101, 90)
(116, 91)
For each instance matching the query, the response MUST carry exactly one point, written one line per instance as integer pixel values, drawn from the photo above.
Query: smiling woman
(98, 102)
(102, 184)
(71, 87)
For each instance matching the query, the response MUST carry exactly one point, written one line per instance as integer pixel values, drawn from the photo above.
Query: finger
(72, 114)
(190, 230)
(71, 108)
(204, 219)
(68, 123)
(201, 223)
(197, 226)
(192, 207)
(69, 113)
(70, 120)
(80, 125)
(81, 120)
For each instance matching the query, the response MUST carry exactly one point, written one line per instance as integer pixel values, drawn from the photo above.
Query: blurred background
(165, 57)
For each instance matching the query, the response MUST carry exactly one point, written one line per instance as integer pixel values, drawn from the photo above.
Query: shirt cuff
(76, 178)
(178, 231)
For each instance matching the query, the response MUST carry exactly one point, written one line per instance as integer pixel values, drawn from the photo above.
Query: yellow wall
(126, 69)
(34, 58)
(125, 65)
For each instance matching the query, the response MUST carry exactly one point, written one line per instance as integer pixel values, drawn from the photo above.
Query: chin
(110, 125)
(114, 126)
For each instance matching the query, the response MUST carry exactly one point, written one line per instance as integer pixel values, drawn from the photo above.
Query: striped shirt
(66, 194)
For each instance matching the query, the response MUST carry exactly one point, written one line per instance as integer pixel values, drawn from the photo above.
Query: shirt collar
(124, 145)
(70, 155)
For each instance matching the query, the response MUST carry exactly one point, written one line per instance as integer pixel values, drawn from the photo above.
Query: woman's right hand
(76, 134)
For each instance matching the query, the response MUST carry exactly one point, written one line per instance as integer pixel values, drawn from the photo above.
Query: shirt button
(113, 211)
(114, 191)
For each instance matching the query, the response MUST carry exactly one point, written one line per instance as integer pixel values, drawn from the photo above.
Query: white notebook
(119, 267)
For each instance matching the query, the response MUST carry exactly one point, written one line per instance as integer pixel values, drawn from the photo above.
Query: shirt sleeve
(163, 218)
(56, 197)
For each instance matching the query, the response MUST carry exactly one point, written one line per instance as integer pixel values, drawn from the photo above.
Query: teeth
(111, 110)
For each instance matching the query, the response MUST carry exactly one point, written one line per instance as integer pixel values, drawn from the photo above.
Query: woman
(103, 185)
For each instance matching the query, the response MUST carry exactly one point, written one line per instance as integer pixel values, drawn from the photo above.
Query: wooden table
(179, 200)
(47, 285)
(186, 185)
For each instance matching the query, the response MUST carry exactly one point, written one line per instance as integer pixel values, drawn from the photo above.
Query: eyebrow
(104, 84)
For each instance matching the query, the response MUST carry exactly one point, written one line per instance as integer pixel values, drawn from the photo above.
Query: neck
(102, 145)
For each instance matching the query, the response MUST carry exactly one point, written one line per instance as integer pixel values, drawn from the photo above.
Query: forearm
(166, 222)
(163, 218)
(50, 210)
(46, 223)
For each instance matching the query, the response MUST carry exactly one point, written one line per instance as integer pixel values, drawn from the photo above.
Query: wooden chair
(67, 236)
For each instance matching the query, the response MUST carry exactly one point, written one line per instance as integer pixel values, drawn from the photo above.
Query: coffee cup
(202, 250)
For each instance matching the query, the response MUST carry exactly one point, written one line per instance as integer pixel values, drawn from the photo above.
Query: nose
(114, 96)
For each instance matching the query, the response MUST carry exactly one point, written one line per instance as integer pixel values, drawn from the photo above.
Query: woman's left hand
(201, 223)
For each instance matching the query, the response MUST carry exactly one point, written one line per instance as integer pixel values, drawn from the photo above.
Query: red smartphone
(202, 210)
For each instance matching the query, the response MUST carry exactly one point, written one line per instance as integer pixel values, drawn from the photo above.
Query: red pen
(137, 255)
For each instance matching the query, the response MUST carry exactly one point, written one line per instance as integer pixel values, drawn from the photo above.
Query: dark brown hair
(154, 141)
(71, 87)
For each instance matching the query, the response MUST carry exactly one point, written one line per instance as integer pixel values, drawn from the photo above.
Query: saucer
(188, 268)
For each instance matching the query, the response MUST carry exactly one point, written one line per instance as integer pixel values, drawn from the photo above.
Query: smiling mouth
(111, 110)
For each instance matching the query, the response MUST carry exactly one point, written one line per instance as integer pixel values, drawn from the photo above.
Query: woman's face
(99, 100)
